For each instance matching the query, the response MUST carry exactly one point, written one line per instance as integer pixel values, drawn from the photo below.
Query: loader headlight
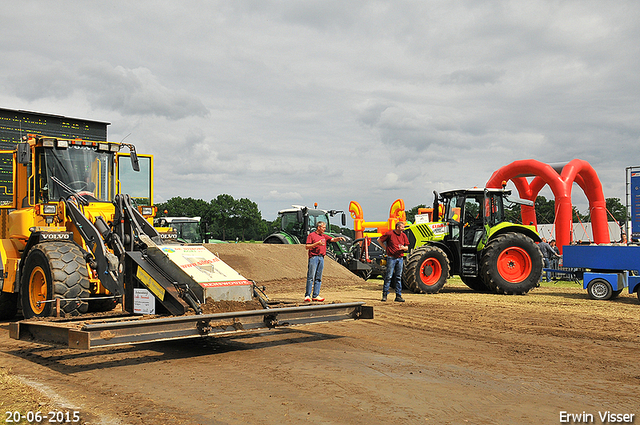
(114, 147)
(147, 210)
(63, 144)
(103, 147)
(49, 209)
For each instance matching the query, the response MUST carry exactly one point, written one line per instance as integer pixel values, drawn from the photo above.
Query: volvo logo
(55, 236)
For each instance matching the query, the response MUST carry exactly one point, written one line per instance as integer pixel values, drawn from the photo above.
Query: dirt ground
(457, 357)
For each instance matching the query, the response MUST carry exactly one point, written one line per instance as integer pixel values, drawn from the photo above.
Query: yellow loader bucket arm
(101, 259)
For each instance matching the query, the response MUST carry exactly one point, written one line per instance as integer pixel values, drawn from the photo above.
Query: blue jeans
(314, 276)
(394, 269)
(546, 266)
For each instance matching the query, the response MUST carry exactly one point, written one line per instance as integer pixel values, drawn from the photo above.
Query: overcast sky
(296, 102)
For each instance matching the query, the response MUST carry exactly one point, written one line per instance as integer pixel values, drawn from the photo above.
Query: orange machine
(396, 213)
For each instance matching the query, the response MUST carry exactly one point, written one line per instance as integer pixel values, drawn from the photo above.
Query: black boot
(384, 298)
(399, 298)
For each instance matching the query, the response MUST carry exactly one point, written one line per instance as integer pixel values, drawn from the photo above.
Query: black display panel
(14, 124)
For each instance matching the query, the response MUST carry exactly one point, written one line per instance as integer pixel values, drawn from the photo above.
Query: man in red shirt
(317, 247)
(396, 243)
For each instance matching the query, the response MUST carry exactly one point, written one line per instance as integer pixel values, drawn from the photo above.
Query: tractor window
(314, 219)
(189, 232)
(453, 208)
(290, 224)
(472, 208)
(494, 209)
(80, 170)
(473, 227)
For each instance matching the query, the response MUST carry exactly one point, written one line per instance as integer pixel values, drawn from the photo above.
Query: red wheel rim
(514, 264)
(430, 271)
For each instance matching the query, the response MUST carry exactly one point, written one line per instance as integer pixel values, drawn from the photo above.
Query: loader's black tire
(427, 269)
(8, 305)
(476, 283)
(54, 270)
(600, 289)
(511, 264)
(99, 306)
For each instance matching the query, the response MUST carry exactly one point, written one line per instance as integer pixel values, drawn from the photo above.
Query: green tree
(182, 207)
(246, 215)
(222, 213)
(617, 210)
(545, 210)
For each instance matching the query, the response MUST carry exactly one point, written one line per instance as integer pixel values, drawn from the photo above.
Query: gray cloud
(332, 101)
(126, 91)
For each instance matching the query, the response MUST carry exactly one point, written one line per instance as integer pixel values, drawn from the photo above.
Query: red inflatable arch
(560, 179)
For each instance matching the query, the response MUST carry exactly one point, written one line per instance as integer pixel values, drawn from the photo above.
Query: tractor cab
(297, 222)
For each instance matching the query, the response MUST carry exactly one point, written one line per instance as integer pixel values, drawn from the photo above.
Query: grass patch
(19, 397)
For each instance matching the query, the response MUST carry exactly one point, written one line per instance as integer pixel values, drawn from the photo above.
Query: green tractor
(298, 221)
(469, 236)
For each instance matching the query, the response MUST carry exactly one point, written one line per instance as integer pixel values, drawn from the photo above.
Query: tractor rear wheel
(511, 264)
(476, 283)
(427, 269)
(54, 270)
(8, 305)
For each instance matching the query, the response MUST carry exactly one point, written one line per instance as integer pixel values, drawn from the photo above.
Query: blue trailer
(608, 269)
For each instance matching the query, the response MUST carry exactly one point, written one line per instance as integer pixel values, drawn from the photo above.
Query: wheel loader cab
(76, 170)
(60, 189)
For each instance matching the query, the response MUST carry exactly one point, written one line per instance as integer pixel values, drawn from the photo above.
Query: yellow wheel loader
(72, 243)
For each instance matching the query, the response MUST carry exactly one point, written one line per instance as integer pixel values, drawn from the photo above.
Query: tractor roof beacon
(298, 221)
(470, 237)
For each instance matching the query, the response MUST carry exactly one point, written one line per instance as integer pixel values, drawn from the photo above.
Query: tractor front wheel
(54, 270)
(427, 269)
(511, 264)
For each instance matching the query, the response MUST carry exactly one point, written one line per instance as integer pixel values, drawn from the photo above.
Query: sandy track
(455, 357)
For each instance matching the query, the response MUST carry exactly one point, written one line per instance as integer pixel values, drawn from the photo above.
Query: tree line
(227, 218)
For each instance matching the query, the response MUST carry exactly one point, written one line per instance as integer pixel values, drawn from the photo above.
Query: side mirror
(344, 220)
(24, 153)
(135, 164)
(134, 160)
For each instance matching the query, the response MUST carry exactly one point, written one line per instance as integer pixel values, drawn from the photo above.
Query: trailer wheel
(511, 264)
(8, 305)
(54, 270)
(476, 283)
(427, 269)
(600, 289)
